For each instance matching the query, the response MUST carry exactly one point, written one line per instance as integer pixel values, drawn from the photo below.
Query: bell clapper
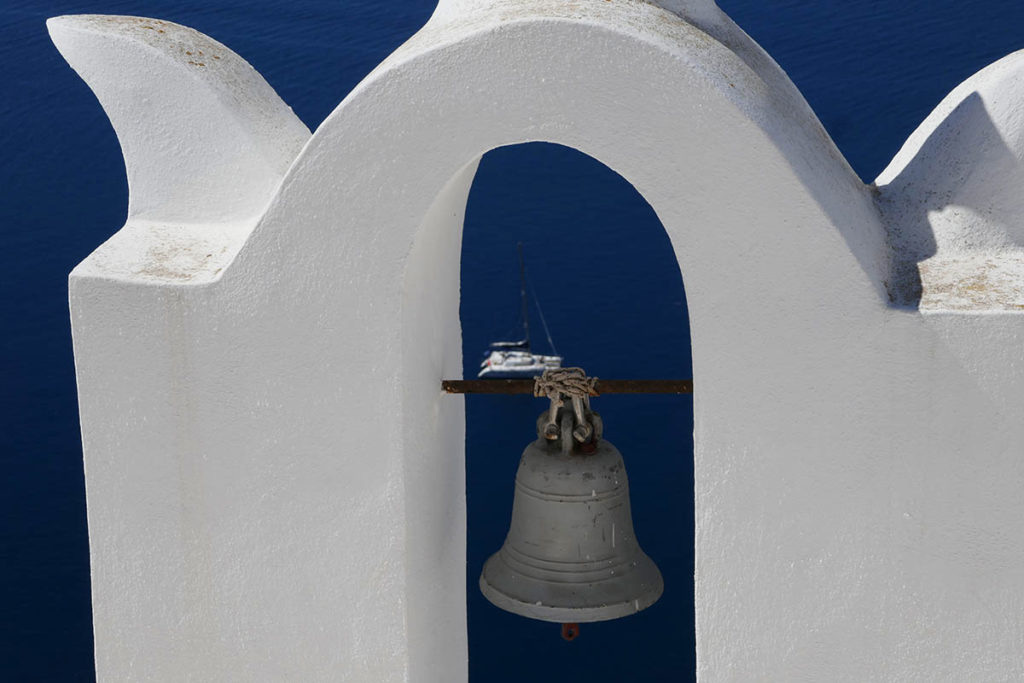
(570, 631)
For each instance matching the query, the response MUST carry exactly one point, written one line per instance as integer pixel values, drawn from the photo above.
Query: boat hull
(517, 364)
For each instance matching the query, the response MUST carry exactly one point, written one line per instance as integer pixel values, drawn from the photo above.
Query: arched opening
(605, 274)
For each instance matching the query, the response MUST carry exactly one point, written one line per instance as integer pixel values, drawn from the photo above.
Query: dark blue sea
(871, 70)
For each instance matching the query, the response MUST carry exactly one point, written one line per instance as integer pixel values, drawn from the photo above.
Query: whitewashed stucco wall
(275, 483)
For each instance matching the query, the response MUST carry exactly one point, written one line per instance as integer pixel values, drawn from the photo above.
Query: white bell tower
(275, 481)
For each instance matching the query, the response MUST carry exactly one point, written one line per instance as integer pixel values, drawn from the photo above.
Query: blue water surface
(871, 70)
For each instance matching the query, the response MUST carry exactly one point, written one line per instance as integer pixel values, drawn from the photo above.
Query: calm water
(872, 70)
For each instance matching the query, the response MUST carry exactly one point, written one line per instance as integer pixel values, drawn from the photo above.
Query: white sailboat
(515, 359)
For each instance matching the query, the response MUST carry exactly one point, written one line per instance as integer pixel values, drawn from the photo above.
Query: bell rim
(576, 615)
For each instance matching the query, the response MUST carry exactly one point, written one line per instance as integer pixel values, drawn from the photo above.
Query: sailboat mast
(522, 294)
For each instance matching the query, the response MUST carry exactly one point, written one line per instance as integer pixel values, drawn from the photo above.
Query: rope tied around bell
(571, 383)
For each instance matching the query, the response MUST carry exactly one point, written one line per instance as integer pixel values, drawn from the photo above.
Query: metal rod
(604, 386)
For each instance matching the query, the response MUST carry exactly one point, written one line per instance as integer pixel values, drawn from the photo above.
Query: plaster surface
(245, 350)
(951, 196)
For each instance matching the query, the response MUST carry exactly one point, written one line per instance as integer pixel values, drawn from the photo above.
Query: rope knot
(573, 382)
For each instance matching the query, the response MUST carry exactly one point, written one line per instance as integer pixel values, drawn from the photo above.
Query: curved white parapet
(205, 140)
(276, 484)
(952, 195)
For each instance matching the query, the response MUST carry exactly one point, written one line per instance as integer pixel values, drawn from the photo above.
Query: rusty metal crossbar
(602, 386)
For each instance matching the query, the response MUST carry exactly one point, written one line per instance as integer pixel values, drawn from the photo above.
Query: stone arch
(764, 217)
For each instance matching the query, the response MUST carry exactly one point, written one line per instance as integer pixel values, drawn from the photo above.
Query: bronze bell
(571, 554)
